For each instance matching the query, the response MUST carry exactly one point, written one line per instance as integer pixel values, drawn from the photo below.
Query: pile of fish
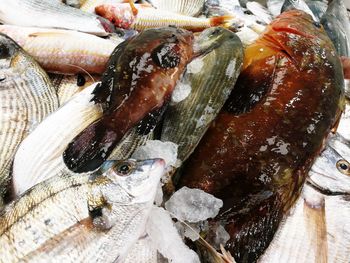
(174, 131)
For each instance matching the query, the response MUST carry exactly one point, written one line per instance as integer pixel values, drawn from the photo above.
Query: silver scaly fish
(81, 218)
(51, 14)
(26, 97)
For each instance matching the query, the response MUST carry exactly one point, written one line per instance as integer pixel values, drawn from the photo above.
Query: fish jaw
(121, 15)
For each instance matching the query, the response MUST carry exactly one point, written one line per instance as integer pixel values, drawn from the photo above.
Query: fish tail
(89, 149)
(220, 20)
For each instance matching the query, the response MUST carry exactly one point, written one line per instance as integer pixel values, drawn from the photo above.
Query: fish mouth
(324, 191)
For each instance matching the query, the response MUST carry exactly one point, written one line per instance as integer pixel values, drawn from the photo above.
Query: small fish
(69, 85)
(63, 51)
(140, 79)
(337, 25)
(140, 17)
(26, 98)
(299, 5)
(39, 156)
(81, 218)
(257, 153)
(51, 14)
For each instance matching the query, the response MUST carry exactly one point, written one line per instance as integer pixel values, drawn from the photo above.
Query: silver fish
(46, 13)
(318, 8)
(81, 218)
(297, 4)
(26, 97)
(39, 156)
(143, 252)
(337, 25)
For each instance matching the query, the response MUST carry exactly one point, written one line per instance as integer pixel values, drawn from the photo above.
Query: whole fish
(318, 224)
(210, 79)
(256, 154)
(81, 218)
(337, 25)
(63, 51)
(39, 156)
(141, 16)
(67, 86)
(51, 14)
(141, 76)
(26, 98)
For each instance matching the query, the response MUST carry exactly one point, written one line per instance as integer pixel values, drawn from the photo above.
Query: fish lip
(322, 190)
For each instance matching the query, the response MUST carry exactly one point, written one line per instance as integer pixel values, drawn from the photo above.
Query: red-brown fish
(257, 153)
(140, 78)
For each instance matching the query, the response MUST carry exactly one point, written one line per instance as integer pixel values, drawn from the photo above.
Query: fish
(297, 4)
(52, 14)
(344, 123)
(83, 218)
(39, 156)
(275, 6)
(90, 5)
(141, 16)
(259, 11)
(69, 85)
(26, 98)
(318, 8)
(318, 223)
(337, 25)
(210, 78)
(256, 154)
(63, 51)
(184, 7)
(135, 90)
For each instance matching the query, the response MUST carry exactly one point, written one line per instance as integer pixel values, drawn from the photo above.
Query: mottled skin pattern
(139, 80)
(256, 154)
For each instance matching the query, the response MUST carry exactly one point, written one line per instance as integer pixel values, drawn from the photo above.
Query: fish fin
(89, 149)
(150, 121)
(220, 20)
(133, 8)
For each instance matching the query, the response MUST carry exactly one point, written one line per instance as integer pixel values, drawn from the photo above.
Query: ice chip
(157, 149)
(181, 92)
(166, 238)
(158, 200)
(189, 231)
(193, 205)
(221, 237)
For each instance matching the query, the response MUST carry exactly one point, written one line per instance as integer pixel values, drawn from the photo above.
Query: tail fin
(88, 150)
(220, 20)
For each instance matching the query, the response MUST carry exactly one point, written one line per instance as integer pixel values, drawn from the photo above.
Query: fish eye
(166, 55)
(80, 80)
(343, 166)
(124, 168)
(4, 51)
(317, 24)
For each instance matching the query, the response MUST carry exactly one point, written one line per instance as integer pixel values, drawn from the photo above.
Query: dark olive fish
(140, 78)
(256, 155)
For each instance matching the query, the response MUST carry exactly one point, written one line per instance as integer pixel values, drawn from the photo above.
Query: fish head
(9, 51)
(137, 179)
(330, 172)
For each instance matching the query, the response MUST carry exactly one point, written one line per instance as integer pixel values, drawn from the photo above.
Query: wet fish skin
(135, 89)
(63, 51)
(256, 154)
(52, 14)
(186, 122)
(26, 98)
(184, 7)
(297, 4)
(82, 218)
(124, 16)
(337, 25)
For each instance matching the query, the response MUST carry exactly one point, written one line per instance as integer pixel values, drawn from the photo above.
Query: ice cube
(189, 231)
(193, 205)
(166, 238)
(157, 149)
(181, 92)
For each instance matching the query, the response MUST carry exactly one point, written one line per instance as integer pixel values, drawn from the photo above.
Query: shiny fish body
(184, 7)
(299, 5)
(211, 78)
(337, 25)
(344, 124)
(90, 5)
(26, 97)
(68, 86)
(123, 16)
(51, 14)
(39, 156)
(81, 218)
(63, 51)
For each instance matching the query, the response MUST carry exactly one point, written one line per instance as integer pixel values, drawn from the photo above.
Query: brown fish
(140, 78)
(257, 153)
